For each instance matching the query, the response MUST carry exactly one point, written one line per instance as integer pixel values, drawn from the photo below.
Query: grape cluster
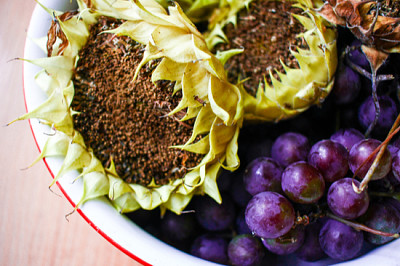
(298, 201)
(296, 196)
(317, 186)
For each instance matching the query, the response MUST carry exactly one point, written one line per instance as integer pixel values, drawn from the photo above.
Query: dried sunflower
(283, 54)
(160, 55)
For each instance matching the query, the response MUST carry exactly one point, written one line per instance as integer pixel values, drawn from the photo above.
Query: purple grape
(361, 151)
(330, 158)
(286, 244)
(357, 56)
(396, 166)
(347, 137)
(245, 250)
(344, 201)
(262, 174)
(347, 85)
(213, 216)
(387, 116)
(178, 228)
(269, 215)
(289, 148)
(303, 183)
(396, 143)
(311, 249)
(210, 247)
(394, 202)
(393, 150)
(340, 241)
(383, 217)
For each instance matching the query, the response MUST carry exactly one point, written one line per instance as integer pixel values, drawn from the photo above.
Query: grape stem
(361, 227)
(366, 74)
(375, 79)
(395, 195)
(380, 150)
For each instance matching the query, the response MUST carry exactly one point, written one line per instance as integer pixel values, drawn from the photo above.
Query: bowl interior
(99, 213)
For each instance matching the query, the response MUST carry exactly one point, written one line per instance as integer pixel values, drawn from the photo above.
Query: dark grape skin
(357, 56)
(241, 225)
(360, 152)
(224, 180)
(269, 215)
(256, 148)
(210, 247)
(387, 116)
(330, 158)
(396, 166)
(311, 249)
(347, 85)
(287, 243)
(303, 183)
(344, 201)
(245, 250)
(148, 220)
(347, 137)
(238, 191)
(178, 228)
(290, 147)
(340, 241)
(213, 216)
(262, 174)
(384, 217)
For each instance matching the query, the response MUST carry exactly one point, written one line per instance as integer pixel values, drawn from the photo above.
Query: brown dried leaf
(51, 37)
(64, 42)
(88, 3)
(67, 15)
(375, 57)
(382, 32)
(56, 32)
(329, 14)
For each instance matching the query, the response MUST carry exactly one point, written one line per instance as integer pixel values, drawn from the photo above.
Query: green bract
(186, 60)
(297, 88)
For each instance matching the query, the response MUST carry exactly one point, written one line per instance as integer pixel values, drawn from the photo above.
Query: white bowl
(99, 213)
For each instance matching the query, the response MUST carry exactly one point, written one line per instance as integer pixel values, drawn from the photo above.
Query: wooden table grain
(33, 228)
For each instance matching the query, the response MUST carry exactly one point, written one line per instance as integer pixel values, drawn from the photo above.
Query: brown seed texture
(266, 31)
(125, 120)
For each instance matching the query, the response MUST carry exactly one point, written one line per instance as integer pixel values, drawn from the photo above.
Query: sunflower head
(282, 54)
(121, 75)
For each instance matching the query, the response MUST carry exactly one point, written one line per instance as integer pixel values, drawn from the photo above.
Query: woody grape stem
(380, 150)
(358, 226)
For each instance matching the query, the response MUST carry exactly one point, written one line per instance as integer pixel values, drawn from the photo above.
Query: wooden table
(33, 228)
